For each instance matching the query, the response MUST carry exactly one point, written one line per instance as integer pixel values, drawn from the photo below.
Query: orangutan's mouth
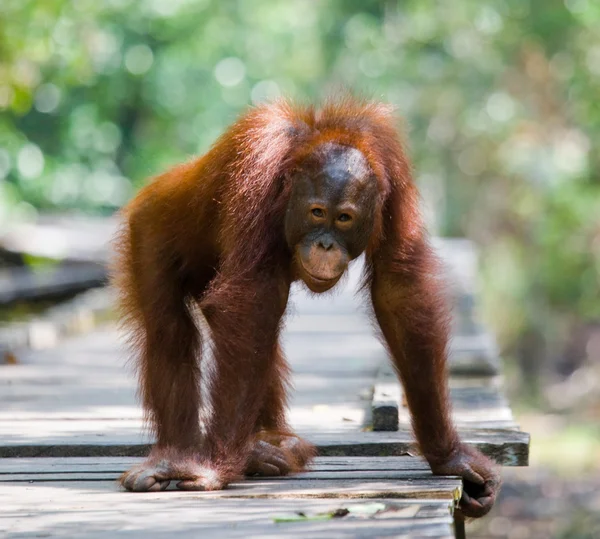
(318, 284)
(322, 281)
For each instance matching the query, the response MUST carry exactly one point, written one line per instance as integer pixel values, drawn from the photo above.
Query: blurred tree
(500, 97)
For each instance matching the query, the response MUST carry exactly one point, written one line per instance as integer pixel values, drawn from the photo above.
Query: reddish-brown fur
(208, 235)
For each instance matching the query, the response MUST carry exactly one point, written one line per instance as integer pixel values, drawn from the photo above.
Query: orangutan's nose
(325, 244)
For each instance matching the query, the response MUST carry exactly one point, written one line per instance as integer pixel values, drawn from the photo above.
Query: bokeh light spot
(500, 107)
(577, 6)
(230, 71)
(47, 98)
(138, 59)
(30, 161)
(372, 64)
(265, 90)
(488, 21)
(592, 60)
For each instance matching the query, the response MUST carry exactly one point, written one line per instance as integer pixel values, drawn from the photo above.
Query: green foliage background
(500, 97)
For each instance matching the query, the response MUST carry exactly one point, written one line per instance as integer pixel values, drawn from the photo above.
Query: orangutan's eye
(318, 212)
(344, 217)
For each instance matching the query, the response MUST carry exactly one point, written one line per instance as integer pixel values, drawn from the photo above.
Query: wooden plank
(294, 487)
(77, 315)
(18, 284)
(62, 237)
(412, 505)
(387, 395)
(310, 475)
(507, 447)
(474, 353)
(97, 510)
(85, 377)
(474, 408)
(324, 468)
(460, 259)
(472, 349)
(69, 389)
(477, 403)
(119, 464)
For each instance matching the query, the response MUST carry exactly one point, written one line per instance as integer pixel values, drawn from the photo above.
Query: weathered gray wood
(412, 483)
(385, 415)
(293, 487)
(382, 475)
(12, 337)
(119, 464)
(18, 284)
(460, 260)
(507, 447)
(60, 397)
(62, 237)
(97, 510)
(475, 407)
(109, 468)
(77, 315)
(386, 399)
(324, 468)
(472, 349)
(414, 502)
(474, 353)
(86, 378)
(477, 402)
(77, 400)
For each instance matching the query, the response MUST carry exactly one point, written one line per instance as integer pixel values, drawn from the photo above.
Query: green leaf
(301, 517)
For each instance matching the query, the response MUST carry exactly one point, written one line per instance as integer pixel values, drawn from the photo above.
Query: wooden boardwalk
(70, 423)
